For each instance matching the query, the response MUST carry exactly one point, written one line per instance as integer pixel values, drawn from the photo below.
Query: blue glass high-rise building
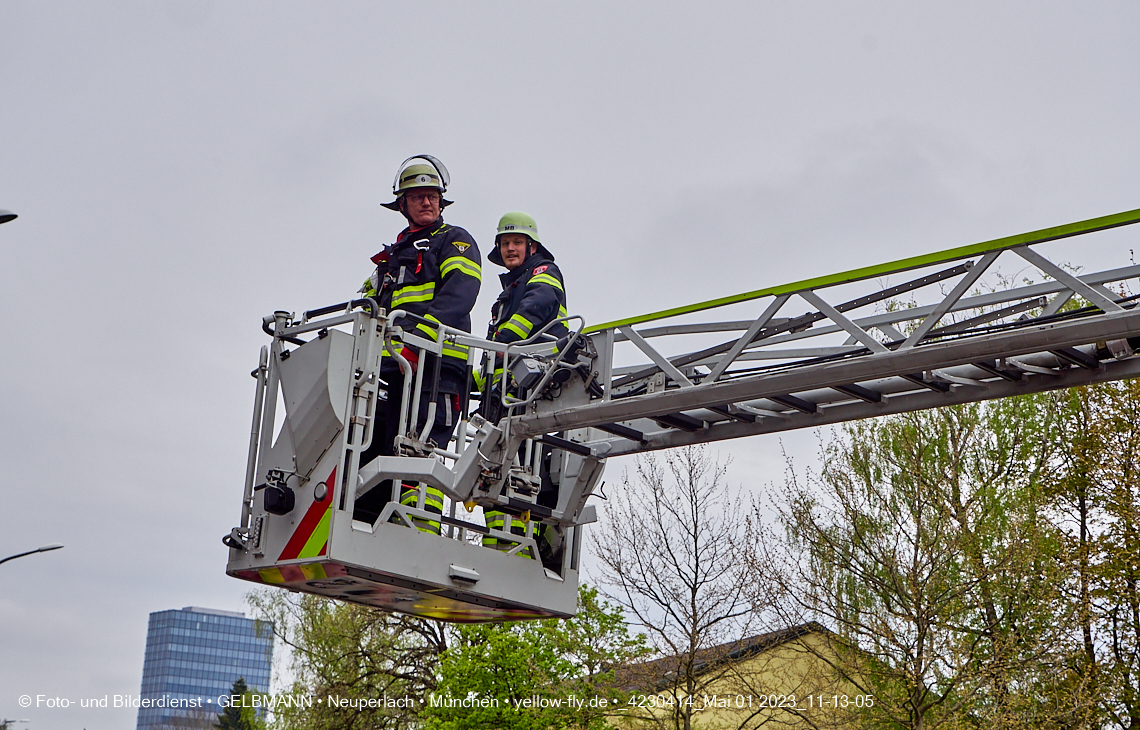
(195, 655)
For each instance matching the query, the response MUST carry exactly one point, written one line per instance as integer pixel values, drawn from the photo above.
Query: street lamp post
(44, 549)
(5, 216)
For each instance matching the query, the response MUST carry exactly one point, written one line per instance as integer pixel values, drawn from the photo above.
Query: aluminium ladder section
(847, 360)
(317, 547)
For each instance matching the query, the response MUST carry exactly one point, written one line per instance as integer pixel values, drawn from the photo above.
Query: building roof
(216, 611)
(653, 674)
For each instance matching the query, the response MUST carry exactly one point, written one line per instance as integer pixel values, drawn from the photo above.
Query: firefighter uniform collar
(532, 261)
(382, 256)
(409, 230)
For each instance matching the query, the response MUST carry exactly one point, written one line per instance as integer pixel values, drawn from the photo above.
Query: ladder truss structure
(933, 339)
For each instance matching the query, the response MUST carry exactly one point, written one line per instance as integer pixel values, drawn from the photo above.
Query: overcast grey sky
(183, 168)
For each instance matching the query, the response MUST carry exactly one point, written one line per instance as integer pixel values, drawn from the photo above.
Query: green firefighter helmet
(419, 171)
(518, 222)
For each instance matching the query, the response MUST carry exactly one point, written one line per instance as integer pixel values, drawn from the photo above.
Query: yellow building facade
(783, 679)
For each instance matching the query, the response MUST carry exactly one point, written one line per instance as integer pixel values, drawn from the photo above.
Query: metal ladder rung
(566, 445)
(681, 421)
(791, 401)
(625, 432)
(1076, 357)
(857, 391)
(991, 367)
(918, 379)
(735, 415)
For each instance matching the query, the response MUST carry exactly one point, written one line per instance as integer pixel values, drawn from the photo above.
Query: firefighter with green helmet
(533, 296)
(533, 291)
(432, 271)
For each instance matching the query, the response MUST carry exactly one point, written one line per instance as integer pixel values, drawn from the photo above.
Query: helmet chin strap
(403, 202)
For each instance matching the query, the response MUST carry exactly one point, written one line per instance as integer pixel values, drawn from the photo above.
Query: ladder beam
(1076, 357)
(984, 300)
(951, 299)
(1067, 230)
(858, 391)
(896, 404)
(667, 367)
(625, 432)
(887, 330)
(989, 317)
(1094, 295)
(746, 340)
(680, 421)
(795, 324)
(976, 373)
(1038, 338)
(734, 412)
(835, 316)
(884, 321)
(797, 404)
(1062, 298)
(993, 369)
(972, 302)
(922, 381)
(796, 353)
(695, 329)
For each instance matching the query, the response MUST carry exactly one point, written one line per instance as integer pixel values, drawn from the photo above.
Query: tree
(1098, 506)
(352, 652)
(563, 663)
(924, 543)
(200, 718)
(672, 552)
(237, 715)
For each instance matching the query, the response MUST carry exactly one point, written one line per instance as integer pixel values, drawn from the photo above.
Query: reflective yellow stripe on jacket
(481, 378)
(450, 349)
(520, 325)
(456, 350)
(413, 293)
(498, 521)
(433, 502)
(463, 266)
(427, 330)
(545, 278)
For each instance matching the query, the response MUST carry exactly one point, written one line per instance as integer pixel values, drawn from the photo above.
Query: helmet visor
(441, 171)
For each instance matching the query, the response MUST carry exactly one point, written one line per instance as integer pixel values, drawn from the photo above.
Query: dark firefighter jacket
(532, 296)
(433, 272)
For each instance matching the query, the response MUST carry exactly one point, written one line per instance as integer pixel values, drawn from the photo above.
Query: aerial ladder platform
(908, 335)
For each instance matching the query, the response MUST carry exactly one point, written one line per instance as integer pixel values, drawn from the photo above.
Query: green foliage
(925, 542)
(239, 714)
(1098, 505)
(352, 652)
(548, 661)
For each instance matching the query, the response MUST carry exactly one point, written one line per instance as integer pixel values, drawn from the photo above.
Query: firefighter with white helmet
(433, 271)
